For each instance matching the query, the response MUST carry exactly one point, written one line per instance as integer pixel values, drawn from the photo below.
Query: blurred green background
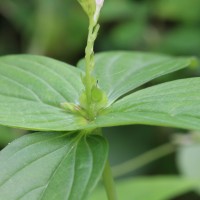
(59, 29)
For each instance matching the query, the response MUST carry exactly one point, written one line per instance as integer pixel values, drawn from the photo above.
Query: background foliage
(58, 29)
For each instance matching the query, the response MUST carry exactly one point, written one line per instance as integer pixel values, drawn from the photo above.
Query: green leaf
(32, 90)
(174, 104)
(120, 72)
(155, 188)
(35, 166)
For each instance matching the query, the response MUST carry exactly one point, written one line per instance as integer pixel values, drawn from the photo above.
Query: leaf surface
(120, 72)
(32, 89)
(155, 188)
(174, 104)
(36, 165)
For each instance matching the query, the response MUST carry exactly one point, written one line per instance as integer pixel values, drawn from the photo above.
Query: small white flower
(99, 4)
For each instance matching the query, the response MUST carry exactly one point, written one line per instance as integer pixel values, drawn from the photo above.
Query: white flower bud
(99, 4)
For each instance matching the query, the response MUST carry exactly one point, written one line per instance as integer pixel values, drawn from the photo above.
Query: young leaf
(51, 166)
(174, 104)
(156, 188)
(32, 91)
(120, 72)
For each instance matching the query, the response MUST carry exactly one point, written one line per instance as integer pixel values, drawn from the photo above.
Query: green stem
(88, 53)
(89, 59)
(109, 182)
(143, 159)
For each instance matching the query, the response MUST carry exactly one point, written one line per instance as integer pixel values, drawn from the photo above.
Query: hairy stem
(109, 182)
(143, 159)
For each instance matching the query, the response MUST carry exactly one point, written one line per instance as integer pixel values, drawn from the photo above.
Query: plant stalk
(89, 60)
(143, 159)
(88, 52)
(109, 182)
